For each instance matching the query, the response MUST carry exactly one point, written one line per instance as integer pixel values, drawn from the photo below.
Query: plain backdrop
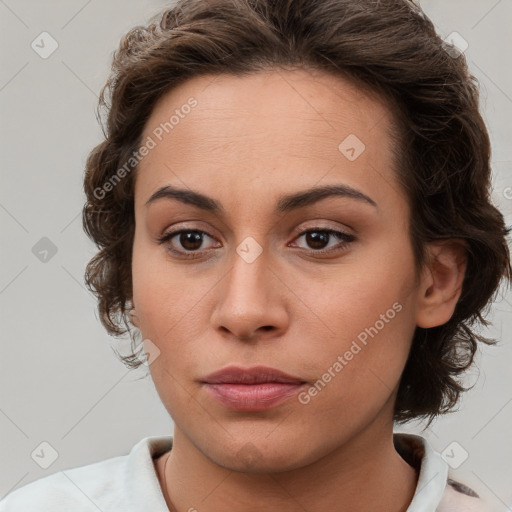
(60, 381)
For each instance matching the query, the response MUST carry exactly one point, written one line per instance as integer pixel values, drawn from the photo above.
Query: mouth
(254, 375)
(251, 389)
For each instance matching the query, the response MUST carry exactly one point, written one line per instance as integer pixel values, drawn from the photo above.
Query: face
(262, 271)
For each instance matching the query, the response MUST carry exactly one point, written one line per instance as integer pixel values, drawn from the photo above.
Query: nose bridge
(248, 278)
(247, 300)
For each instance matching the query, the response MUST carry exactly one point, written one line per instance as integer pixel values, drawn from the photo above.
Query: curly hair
(391, 48)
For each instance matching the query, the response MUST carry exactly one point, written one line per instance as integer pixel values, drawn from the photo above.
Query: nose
(251, 304)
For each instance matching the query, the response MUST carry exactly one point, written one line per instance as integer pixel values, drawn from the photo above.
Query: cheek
(162, 291)
(359, 367)
(358, 293)
(173, 310)
(368, 316)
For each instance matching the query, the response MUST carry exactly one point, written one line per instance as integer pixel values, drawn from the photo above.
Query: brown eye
(318, 239)
(185, 241)
(190, 240)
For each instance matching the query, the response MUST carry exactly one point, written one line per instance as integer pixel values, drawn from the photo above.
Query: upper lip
(254, 375)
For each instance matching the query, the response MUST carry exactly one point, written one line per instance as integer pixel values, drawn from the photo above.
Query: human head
(388, 48)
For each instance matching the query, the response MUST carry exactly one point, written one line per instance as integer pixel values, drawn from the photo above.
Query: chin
(260, 457)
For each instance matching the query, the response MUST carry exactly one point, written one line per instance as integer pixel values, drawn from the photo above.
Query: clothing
(129, 483)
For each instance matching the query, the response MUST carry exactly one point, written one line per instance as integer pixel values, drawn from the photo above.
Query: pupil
(191, 240)
(317, 240)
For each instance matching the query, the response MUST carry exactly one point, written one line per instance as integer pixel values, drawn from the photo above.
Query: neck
(364, 474)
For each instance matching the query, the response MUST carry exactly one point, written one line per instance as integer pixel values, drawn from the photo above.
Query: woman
(292, 208)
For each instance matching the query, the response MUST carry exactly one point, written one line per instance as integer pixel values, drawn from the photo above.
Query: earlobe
(441, 283)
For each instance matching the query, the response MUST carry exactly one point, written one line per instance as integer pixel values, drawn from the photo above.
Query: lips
(254, 375)
(251, 389)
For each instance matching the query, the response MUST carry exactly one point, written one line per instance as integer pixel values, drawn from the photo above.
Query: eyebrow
(285, 203)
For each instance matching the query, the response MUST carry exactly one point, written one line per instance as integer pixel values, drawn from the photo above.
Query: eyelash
(345, 237)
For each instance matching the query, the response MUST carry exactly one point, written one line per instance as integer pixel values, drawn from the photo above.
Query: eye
(189, 242)
(319, 240)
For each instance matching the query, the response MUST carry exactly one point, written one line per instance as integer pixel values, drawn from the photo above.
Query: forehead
(272, 128)
(326, 102)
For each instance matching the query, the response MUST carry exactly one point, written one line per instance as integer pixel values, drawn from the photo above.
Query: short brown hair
(442, 151)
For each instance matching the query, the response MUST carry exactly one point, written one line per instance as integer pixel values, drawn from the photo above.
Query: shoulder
(437, 489)
(106, 485)
(74, 489)
(64, 490)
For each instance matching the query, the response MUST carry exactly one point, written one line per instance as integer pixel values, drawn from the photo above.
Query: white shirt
(129, 483)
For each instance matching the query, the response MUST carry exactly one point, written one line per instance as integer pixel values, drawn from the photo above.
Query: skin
(248, 141)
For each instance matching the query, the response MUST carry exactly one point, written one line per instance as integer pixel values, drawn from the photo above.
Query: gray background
(59, 379)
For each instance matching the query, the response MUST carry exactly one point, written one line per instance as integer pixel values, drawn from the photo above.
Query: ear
(441, 282)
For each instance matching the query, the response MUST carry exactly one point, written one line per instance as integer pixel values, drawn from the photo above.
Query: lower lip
(253, 397)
